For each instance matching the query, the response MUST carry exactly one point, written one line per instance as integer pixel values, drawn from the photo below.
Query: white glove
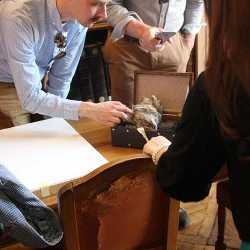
(156, 146)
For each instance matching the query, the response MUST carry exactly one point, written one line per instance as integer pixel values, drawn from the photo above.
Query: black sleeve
(197, 152)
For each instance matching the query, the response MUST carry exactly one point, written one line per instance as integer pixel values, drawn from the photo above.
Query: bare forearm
(136, 28)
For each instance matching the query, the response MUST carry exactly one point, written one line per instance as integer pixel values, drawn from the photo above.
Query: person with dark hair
(215, 125)
(40, 46)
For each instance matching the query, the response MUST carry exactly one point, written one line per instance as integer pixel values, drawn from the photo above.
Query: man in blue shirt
(46, 37)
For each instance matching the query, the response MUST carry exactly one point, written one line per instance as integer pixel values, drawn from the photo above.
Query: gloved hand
(156, 146)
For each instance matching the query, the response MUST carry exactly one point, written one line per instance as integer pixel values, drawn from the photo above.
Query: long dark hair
(228, 66)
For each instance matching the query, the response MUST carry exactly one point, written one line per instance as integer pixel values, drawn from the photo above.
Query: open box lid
(170, 88)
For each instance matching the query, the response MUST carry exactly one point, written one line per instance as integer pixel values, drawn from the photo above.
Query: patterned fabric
(27, 219)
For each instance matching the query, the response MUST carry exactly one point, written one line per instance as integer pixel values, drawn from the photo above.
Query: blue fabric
(245, 246)
(27, 32)
(27, 218)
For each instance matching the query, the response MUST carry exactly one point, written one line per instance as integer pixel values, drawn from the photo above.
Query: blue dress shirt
(27, 32)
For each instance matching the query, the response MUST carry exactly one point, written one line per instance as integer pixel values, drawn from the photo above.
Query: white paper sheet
(47, 153)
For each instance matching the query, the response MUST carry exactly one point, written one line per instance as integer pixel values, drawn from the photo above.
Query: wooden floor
(201, 233)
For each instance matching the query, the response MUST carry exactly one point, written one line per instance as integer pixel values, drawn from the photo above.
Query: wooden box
(171, 89)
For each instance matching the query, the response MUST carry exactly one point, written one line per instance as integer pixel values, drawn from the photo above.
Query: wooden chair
(119, 206)
(223, 200)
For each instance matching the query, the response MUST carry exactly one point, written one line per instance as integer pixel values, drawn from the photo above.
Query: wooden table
(100, 137)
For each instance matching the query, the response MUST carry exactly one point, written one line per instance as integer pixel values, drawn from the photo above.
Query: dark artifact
(147, 115)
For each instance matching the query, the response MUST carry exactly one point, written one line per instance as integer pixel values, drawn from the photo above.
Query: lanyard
(61, 42)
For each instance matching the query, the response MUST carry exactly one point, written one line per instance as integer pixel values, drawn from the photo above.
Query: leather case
(171, 89)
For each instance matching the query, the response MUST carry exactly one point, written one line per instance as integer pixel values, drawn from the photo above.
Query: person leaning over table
(133, 47)
(215, 124)
(40, 37)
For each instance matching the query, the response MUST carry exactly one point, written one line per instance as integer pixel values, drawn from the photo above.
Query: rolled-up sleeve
(193, 16)
(25, 72)
(118, 17)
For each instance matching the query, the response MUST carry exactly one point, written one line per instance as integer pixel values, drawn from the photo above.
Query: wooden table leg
(172, 224)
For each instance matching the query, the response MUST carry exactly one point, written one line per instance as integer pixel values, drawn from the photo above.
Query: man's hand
(108, 113)
(145, 35)
(188, 40)
(148, 39)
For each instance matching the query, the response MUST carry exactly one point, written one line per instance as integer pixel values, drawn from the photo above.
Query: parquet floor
(201, 233)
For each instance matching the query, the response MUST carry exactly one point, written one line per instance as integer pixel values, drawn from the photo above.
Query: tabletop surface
(99, 137)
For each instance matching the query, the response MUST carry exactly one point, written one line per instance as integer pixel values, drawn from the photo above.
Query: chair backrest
(118, 206)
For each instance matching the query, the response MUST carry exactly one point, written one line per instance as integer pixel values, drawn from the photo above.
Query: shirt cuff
(71, 109)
